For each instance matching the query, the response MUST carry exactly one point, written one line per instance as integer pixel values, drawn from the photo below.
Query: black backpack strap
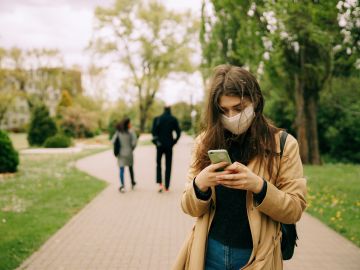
(289, 233)
(283, 137)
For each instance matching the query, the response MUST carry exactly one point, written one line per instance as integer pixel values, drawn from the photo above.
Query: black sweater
(230, 225)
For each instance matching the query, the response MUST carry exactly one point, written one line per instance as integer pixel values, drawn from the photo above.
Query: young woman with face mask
(238, 210)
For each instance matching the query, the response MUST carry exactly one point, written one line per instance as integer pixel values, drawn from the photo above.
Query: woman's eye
(223, 111)
(238, 109)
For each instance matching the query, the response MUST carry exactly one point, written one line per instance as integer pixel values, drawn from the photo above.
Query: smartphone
(219, 155)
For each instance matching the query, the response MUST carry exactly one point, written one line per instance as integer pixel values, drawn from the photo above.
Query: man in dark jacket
(162, 131)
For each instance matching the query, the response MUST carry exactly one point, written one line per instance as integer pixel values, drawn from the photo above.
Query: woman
(128, 142)
(239, 209)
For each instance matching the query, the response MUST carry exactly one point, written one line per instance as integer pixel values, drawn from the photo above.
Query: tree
(338, 118)
(230, 33)
(8, 80)
(9, 157)
(182, 111)
(42, 126)
(305, 57)
(299, 38)
(147, 40)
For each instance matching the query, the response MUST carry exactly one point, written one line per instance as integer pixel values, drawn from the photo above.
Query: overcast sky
(67, 26)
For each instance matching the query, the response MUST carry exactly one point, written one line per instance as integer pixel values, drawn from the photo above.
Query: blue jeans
(222, 257)
(122, 172)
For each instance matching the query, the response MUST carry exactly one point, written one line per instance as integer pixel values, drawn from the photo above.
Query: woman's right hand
(207, 177)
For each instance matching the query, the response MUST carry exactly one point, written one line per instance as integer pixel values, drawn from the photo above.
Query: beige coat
(284, 202)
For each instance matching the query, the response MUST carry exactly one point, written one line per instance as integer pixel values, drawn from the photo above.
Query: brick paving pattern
(142, 229)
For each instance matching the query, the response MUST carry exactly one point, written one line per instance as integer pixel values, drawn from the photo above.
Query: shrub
(338, 120)
(9, 157)
(42, 126)
(79, 123)
(58, 141)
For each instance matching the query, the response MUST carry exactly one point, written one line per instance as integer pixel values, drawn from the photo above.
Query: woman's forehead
(230, 101)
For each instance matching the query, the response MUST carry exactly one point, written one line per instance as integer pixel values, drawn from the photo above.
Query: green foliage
(58, 141)
(182, 111)
(304, 46)
(333, 197)
(41, 127)
(91, 104)
(339, 112)
(9, 157)
(38, 201)
(119, 111)
(66, 100)
(233, 37)
(79, 123)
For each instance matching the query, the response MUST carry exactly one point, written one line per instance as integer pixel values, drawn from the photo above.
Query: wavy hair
(257, 141)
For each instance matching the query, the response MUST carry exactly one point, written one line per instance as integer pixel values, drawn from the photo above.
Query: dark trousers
(168, 159)
(122, 171)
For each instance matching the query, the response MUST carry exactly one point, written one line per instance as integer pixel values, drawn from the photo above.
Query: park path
(142, 229)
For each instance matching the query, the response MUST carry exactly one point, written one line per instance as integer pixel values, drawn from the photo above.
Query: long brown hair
(123, 126)
(258, 140)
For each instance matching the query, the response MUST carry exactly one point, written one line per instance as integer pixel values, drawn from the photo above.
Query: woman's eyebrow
(233, 106)
(237, 105)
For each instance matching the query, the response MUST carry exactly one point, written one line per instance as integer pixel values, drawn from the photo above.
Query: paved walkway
(142, 229)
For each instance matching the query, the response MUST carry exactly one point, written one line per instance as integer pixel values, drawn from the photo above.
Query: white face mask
(239, 123)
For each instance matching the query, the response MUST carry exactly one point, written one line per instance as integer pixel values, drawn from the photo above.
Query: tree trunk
(142, 119)
(311, 114)
(300, 122)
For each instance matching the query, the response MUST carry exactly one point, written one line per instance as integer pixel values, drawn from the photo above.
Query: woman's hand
(208, 176)
(241, 177)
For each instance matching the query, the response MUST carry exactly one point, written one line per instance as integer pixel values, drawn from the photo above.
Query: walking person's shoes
(122, 189)
(133, 185)
(161, 189)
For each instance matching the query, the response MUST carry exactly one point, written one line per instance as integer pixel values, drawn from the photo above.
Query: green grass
(19, 140)
(334, 197)
(46, 192)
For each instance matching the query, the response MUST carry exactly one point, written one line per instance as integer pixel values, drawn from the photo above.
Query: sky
(67, 25)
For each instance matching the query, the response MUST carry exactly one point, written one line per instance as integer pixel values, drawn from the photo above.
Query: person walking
(162, 131)
(240, 206)
(128, 141)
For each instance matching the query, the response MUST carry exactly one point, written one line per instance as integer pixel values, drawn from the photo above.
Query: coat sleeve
(113, 137)
(177, 130)
(133, 139)
(154, 129)
(190, 204)
(285, 201)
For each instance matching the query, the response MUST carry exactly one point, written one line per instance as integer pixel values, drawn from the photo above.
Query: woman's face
(231, 105)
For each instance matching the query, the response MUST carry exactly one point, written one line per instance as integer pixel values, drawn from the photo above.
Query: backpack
(117, 145)
(289, 234)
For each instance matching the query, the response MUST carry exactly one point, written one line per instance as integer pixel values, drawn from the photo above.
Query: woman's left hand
(241, 178)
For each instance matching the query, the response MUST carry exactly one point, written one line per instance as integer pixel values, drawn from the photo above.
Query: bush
(9, 157)
(58, 141)
(79, 123)
(338, 120)
(42, 126)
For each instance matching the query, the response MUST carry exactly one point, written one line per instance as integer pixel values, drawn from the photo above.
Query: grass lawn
(334, 197)
(46, 192)
(19, 140)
